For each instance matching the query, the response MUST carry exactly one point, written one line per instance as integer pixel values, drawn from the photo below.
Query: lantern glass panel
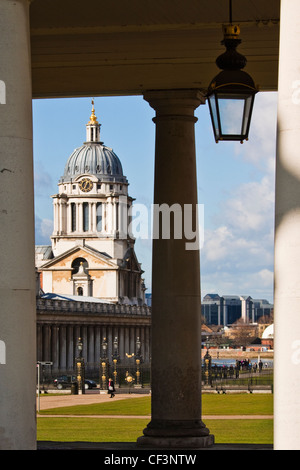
(247, 114)
(231, 114)
(214, 115)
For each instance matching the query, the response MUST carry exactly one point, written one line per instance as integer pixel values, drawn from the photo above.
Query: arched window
(77, 262)
(79, 291)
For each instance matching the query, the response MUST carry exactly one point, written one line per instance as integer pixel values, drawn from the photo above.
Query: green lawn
(68, 429)
(239, 404)
(90, 429)
(256, 431)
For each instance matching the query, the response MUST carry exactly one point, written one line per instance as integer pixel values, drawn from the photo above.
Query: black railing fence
(239, 377)
(127, 376)
(132, 375)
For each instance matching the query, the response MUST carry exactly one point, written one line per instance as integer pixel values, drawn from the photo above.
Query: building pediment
(94, 259)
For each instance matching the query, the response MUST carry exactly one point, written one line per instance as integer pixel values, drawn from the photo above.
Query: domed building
(267, 338)
(92, 253)
(89, 281)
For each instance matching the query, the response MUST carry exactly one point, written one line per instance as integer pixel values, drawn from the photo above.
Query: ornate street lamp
(207, 364)
(138, 359)
(115, 358)
(231, 93)
(103, 366)
(80, 370)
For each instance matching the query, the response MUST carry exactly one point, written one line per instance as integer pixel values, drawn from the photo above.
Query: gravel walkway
(48, 401)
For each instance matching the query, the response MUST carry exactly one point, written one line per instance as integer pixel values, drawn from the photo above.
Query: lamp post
(80, 369)
(231, 93)
(138, 359)
(207, 364)
(115, 359)
(103, 367)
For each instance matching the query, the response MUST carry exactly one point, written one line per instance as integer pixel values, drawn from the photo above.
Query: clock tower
(92, 254)
(92, 204)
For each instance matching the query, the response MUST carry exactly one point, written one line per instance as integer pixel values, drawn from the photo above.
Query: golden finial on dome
(93, 118)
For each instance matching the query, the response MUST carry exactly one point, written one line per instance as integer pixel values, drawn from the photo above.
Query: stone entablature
(91, 307)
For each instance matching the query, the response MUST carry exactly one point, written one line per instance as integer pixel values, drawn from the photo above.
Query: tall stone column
(176, 302)
(287, 238)
(17, 291)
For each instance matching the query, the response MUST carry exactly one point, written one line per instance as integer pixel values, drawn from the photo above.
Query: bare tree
(243, 333)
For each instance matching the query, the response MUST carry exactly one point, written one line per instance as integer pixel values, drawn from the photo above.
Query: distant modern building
(227, 309)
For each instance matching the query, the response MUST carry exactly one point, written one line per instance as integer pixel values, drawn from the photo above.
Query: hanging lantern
(231, 93)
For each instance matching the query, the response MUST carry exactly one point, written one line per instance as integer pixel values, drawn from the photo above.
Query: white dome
(269, 332)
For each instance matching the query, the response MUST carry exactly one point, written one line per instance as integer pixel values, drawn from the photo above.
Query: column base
(176, 435)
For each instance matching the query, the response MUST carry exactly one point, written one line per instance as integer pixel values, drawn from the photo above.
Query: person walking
(111, 388)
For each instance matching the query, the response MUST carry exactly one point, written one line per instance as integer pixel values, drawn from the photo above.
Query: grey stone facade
(61, 322)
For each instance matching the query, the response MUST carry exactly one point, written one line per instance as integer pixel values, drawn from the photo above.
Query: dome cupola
(93, 128)
(94, 158)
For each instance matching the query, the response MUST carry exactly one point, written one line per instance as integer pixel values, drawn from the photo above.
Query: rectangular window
(86, 219)
(99, 217)
(73, 217)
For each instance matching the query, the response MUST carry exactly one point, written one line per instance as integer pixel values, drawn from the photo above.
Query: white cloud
(261, 148)
(43, 181)
(43, 231)
(237, 256)
(251, 207)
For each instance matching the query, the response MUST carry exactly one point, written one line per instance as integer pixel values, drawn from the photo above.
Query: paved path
(56, 401)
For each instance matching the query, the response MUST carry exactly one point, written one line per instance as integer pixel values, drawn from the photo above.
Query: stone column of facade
(122, 344)
(55, 346)
(80, 217)
(55, 221)
(63, 347)
(69, 218)
(287, 240)
(17, 293)
(176, 302)
(91, 345)
(70, 347)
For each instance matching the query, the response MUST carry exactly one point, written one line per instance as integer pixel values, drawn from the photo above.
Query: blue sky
(235, 182)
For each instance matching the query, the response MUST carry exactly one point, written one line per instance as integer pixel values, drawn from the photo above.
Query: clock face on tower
(86, 185)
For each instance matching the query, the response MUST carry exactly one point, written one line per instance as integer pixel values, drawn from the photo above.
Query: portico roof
(126, 47)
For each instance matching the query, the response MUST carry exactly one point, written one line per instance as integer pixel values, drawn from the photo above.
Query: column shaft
(287, 241)
(176, 301)
(17, 293)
